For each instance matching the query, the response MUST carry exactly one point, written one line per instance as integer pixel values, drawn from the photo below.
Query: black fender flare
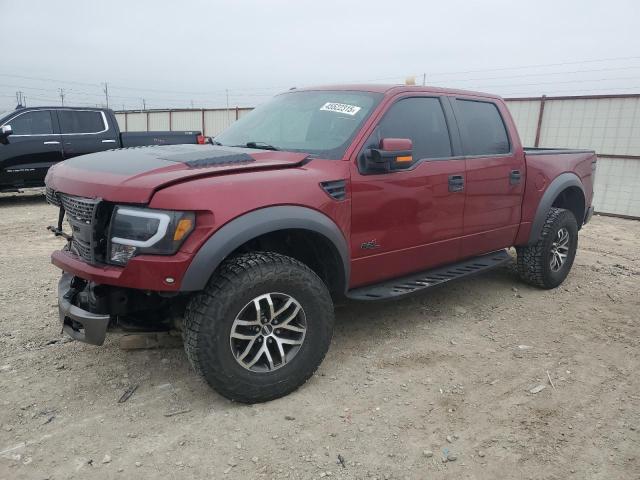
(253, 224)
(555, 188)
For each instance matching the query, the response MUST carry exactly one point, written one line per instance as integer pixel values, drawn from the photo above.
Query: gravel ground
(405, 384)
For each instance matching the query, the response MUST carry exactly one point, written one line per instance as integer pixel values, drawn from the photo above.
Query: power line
(431, 74)
(221, 93)
(577, 91)
(544, 74)
(220, 97)
(520, 67)
(510, 85)
(48, 79)
(202, 101)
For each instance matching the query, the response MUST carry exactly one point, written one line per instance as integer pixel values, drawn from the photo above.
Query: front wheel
(261, 327)
(547, 262)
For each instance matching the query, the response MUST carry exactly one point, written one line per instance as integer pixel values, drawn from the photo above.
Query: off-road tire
(533, 262)
(210, 315)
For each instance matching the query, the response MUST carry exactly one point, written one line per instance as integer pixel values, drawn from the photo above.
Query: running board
(430, 278)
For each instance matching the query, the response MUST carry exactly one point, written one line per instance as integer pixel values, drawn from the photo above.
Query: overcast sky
(175, 53)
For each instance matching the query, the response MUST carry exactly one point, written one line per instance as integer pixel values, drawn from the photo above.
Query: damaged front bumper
(88, 309)
(78, 323)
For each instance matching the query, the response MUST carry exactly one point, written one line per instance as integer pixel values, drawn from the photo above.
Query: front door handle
(108, 141)
(53, 142)
(514, 177)
(456, 183)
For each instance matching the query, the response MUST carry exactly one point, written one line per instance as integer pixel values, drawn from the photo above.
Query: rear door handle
(456, 183)
(514, 177)
(53, 142)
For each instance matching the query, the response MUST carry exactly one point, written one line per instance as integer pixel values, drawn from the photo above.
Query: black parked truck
(32, 139)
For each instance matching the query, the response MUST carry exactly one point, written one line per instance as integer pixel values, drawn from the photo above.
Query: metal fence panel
(187, 120)
(607, 125)
(525, 114)
(136, 122)
(159, 121)
(617, 186)
(121, 118)
(217, 120)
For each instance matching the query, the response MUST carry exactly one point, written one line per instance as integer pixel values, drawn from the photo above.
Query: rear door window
(81, 121)
(481, 127)
(422, 120)
(37, 122)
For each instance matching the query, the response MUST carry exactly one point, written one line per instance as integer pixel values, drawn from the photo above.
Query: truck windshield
(321, 123)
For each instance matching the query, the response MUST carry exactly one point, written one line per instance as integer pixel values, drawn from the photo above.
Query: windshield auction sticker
(340, 108)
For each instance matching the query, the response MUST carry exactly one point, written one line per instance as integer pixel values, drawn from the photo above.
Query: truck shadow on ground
(358, 327)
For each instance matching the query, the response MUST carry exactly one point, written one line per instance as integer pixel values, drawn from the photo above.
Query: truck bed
(139, 139)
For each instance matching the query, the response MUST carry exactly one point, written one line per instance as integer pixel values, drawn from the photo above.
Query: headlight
(137, 231)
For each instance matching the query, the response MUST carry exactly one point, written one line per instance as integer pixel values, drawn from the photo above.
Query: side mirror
(392, 154)
(5, 131)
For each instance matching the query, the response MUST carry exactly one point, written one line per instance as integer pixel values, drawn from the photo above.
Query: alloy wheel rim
(268, 332)
(559, 250)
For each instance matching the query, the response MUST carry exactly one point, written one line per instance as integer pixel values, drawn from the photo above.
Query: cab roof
(56, 107)
(393, 89)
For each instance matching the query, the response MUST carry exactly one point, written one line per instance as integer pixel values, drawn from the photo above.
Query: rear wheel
(261, 327)
(547, 262)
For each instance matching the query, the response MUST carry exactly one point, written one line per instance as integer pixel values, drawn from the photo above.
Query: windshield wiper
(260, 145)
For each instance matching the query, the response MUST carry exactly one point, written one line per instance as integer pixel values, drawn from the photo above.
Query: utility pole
(144, 104)
(424, 79)
(106, 92)
(228, 121)
(20, 98)
(61, 91)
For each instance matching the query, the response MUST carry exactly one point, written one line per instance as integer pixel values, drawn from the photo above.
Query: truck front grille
(89, 222)
(82, 250)
(78, 208)
(52, 197)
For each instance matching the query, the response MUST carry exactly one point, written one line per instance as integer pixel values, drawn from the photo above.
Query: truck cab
(458, 196)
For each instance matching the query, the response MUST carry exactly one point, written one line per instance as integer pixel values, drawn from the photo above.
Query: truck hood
(132, 175)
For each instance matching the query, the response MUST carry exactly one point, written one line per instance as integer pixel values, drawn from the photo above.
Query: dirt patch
(448, 373)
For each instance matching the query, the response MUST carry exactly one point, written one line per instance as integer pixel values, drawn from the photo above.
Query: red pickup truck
(364, 192)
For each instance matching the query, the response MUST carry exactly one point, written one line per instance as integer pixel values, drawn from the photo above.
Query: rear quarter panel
(542, 169)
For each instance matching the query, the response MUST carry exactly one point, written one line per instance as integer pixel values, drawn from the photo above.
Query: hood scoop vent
(209, 158)
(336, 189)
